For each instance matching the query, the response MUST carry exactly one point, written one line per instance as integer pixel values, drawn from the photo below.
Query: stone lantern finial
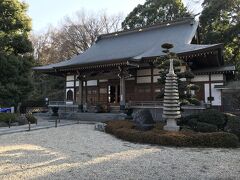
(171, 70)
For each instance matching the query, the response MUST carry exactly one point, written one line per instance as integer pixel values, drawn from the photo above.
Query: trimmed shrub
(186, 129)
(192, 123)
(185, 120)
(112, 125)
(159, 126)
(205, 127)
(31, 118)
(233, 124)
(126, 131)
(216, 139)
(212, 117)
(8, 117)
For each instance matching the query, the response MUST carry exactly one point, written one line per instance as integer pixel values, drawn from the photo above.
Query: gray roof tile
(136, 44)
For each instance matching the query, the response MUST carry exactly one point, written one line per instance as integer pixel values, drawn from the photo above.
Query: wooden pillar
(122, 93)
(98, 92)
(116, 94)
(86, 96)
(80, 95)
(210, 89)
(152, 88)
(74, 92)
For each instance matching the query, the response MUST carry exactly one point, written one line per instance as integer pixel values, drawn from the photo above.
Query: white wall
(155, 78)
(144, 79)
(198, 78)
(156, 71)
(103, 80)
(70, 84)
(206, 92)
(144, 72)
(216, 93)
(70, 78)
(214, 77)
(92, 83)
(217, 77)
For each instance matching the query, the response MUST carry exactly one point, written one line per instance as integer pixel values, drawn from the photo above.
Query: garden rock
(22, 120)
(100, 127)
(143, 120)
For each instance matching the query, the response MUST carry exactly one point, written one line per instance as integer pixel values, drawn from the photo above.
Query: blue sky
(46, 12)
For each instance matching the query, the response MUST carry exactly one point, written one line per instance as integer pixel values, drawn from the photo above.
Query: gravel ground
(79, 152)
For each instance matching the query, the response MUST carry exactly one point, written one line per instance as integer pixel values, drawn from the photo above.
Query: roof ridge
(144, 28)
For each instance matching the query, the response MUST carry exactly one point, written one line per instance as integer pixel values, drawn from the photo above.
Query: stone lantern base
(171, 125)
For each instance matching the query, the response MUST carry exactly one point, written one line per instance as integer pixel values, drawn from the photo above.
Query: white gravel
(79, 152)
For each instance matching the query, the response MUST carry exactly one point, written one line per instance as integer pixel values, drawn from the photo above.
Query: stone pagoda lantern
(171, 104)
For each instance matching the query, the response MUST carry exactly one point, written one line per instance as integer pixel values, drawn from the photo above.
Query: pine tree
(183, 72)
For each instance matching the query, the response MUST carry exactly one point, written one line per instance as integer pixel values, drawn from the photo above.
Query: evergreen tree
(15, 50)
(183, 72)
(153, 11)
(220, 23)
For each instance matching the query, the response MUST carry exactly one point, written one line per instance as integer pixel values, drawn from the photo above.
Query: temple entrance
(114, 94)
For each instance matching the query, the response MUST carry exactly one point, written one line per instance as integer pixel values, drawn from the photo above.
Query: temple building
(119, 69)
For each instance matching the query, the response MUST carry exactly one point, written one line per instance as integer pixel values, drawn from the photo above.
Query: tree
(153, 11)
(79, 33)
(15, 26)
(15, 81)
(73, 37)
(183, 72)
(15, 49)
(220, 23)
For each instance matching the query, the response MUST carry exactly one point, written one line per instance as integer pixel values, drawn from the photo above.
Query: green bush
(216, 139)
(205, 127)
(186, 129)
(233, 124)
(193, 123)
(212, 117)
(112, 125)
(185, 120)
(126, 130)
(8, 117)
(31, 118)
(194, 101)
(159, 126)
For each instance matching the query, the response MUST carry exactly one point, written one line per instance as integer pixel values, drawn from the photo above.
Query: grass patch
(126, 130)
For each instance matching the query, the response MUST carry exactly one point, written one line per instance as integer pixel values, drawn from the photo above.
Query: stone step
(115, 109)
